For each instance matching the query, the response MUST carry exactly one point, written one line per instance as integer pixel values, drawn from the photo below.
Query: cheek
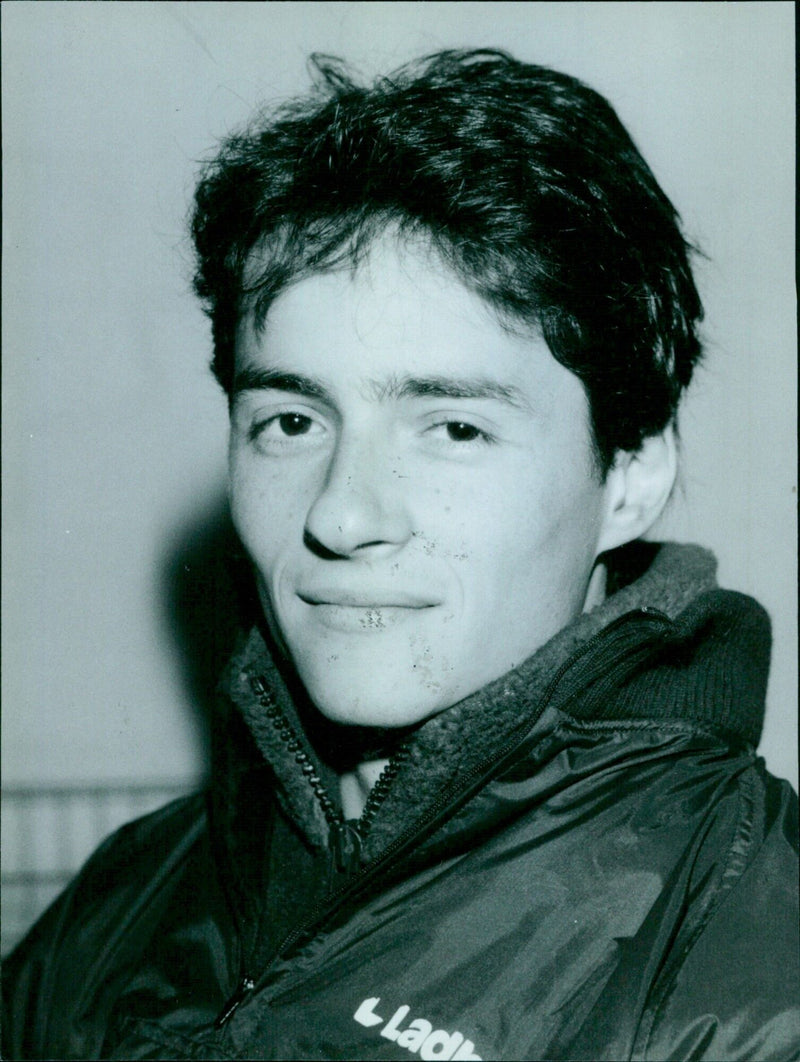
(543, 538)
(266, 513)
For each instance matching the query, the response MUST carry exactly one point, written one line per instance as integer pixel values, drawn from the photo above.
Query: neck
(596, 590)
(356, 785)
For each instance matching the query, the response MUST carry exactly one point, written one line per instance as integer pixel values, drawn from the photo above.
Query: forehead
(400, 312)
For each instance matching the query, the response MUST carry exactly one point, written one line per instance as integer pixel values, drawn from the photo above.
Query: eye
(459, 434)
(460, 431)
(292, 424)
(282, 430)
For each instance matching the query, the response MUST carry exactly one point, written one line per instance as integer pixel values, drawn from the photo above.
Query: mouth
(356, 612)
(352, 599)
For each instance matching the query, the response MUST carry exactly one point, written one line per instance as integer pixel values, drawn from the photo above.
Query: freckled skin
(466, 528)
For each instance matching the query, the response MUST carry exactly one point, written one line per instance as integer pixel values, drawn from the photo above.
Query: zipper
(380, 790)
(346, 837)
(455, 796)
(294, 746)
(344, 843)
(240, 993)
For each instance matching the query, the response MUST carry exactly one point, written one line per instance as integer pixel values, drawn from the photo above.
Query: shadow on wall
(48, 832)
(209, 598)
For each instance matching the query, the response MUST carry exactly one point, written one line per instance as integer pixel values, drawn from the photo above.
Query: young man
(485, 783)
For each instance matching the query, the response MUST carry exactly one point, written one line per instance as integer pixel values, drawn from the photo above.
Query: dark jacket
(585, 860)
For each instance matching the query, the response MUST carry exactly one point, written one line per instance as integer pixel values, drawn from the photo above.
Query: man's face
(413, 484)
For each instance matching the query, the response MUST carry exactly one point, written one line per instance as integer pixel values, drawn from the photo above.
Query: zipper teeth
(380, 790)
(294, 745)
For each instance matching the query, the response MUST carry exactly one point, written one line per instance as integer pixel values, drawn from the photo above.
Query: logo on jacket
(418, 1035)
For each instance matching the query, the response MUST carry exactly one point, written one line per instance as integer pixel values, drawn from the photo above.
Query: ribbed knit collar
(706, 663)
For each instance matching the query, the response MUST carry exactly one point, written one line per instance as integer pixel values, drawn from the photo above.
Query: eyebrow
(254, 378)
(454, 387)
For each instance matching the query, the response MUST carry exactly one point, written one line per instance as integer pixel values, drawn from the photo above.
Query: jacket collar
(666, 645)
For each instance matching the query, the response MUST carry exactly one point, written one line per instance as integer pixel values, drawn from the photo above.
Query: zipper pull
(246, 985)
(345, 846)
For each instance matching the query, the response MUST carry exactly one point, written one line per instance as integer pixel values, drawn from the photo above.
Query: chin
(372, 707)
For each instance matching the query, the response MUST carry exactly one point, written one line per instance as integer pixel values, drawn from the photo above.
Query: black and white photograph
(399, 421)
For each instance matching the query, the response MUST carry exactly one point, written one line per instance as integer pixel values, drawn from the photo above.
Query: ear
(638, 486)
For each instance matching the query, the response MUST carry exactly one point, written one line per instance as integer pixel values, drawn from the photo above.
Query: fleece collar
(703, 661)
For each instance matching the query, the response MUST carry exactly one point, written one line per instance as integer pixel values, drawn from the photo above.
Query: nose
(360, 509)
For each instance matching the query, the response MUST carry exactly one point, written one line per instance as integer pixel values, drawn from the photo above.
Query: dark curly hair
(524, 181)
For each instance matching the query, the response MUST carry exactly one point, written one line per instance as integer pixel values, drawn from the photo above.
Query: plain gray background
(115, 432)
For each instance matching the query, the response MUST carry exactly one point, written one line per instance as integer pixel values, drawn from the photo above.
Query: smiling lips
(369, 599)
(356, 612)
